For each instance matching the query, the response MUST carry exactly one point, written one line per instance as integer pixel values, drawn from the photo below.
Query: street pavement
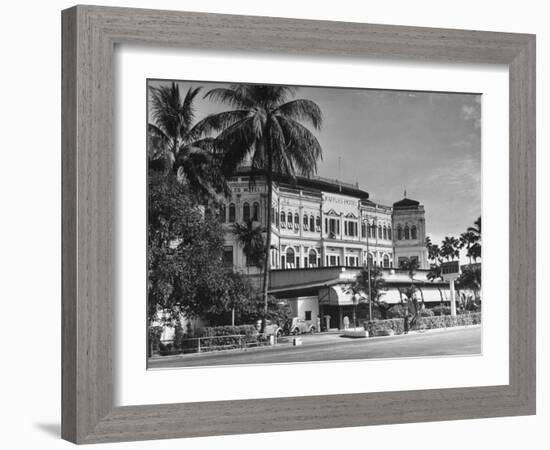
(330, 347)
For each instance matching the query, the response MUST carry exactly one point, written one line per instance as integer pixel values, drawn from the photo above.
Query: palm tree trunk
(269, 180)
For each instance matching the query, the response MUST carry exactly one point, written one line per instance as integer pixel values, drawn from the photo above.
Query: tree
(377, 287)
(250, 237)
(175, 145)
(474, 251)
(434, 256)
(450, 248)
(470, 278)
(184, 251)
(268, 129)
(411, 265)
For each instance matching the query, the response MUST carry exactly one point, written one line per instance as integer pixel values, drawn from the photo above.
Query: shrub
(441, 310)
(396, 325)
(154, 339)
(426, 312)
(395, 312)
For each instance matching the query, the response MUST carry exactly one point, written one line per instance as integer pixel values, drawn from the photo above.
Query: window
(227, 256)
(414, 234)
(401, 261)
(256, 211)
(334, 226)
(379, 231)
(350, 228)
(372, 230)
(222, 213)
(232, 212)
(318, 223)
(296, 221)
(333, 260)
(311, 223)
(246, 212)
(290, 259)
(305, 222)
(283, 219)
(363, 230)
(308, 315)
(407, 232)
(399, 232)
(273, 218)
(312, 256)
(385, 232)
(389, 233)
(289, 219)
(386, 261)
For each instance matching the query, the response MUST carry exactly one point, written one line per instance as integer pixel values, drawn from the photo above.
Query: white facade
(320, 223)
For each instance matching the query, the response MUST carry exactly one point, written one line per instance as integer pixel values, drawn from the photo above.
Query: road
(329, 347)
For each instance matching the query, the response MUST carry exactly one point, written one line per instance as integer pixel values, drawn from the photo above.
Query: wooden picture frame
(90, 34)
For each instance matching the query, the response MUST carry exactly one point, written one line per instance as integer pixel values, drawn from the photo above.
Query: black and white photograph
(292, 224)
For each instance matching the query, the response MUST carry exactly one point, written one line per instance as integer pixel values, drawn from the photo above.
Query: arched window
(414, 234)
(311, 223)
(305, 222)
(283, 219)
(318, 223)
(399, 232)
(370, 260)
(379, 231)
(223, 218)
(389, 233)
(312, 258)
(289, 219)
(407, 232)
(363, 230)
(256, 211)
(385, 230)
(232, 212)
(386, 261)
(296, 220)
(246, 212)
(290, 260)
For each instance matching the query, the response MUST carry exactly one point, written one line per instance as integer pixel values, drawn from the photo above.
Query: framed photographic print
(293, 207)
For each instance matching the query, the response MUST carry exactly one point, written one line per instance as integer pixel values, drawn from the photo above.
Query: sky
(426, 143)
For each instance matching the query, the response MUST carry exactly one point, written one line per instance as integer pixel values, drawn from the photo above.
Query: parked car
(299, 326)
(272, 328)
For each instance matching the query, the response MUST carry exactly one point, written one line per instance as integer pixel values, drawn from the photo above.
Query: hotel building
(322, 233)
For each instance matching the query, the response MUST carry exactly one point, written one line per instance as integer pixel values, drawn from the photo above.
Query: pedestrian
(406, 323)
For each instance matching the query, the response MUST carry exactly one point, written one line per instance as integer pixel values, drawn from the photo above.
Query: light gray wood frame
(89, 36)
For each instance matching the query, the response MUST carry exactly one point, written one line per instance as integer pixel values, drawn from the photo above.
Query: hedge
(381, 327)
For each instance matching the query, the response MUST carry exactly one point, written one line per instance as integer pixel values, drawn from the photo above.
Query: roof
(406, 203)
(321, 184)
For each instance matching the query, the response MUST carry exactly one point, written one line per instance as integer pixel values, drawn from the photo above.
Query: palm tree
(475, 249)
(411, 265)
(376, 285)
(470, 278)
(175, 145)
(268, 129)
(467, 240)
(250, 237)
(450, 248)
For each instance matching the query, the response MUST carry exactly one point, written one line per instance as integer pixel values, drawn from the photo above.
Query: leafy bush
(395, 312)
(441, 310)
(381, 327)
(426, 312)
(154, 339)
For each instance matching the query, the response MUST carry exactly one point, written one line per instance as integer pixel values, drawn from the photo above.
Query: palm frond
(217, 122)
(301, 145)
(234, 96)
(302, 110)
